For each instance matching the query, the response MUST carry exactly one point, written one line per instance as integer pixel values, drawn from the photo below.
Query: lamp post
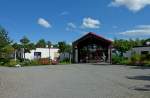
(49, 46)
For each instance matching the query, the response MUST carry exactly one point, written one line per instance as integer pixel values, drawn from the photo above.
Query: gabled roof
(94, 35)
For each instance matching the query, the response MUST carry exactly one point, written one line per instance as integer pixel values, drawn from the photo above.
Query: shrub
(146, 63)
(65, 61)
(26, 62)
(35, 62)
(125, 61)
(12, 63)
(3, 61)
(119, 60)
(135, 59)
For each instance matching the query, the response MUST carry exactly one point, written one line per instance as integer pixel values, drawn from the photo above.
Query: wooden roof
(93, 35)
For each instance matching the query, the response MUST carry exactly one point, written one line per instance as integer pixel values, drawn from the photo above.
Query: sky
(67, 20)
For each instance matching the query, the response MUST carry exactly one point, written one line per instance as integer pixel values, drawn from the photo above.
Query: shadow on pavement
(102, 63)
(143, 88)
(144, 78)
(140, 67)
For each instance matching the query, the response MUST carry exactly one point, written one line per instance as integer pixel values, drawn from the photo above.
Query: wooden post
(76, 55)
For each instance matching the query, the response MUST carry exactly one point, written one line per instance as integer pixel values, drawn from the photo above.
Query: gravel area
(75, 81)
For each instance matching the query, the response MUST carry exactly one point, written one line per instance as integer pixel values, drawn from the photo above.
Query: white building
(137, 50)
(51, 53)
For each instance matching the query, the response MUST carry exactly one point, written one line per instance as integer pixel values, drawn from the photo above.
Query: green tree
(62, 46)
(49, 44)
(146, 41)
(26, 45)
(55, 45)
(68, 48)
(4, 43)
(17, 47)
(41, 43)
(122, 45)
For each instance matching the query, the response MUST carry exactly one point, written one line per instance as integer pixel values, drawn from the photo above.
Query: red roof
(94, 34)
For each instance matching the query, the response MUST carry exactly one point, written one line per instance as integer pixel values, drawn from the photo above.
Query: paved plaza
(75, 81)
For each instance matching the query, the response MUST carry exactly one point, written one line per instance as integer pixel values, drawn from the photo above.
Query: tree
(26, 45)
(61, 46)
(16, 47)
(122, 45)
(4, 43)
(146, 42)
(68, 48)
(49, 44)
(55, 45)
(41, 43)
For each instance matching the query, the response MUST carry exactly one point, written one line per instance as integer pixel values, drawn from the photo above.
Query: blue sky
(67, 20)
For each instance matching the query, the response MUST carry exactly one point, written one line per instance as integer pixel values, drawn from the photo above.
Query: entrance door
(91, 54)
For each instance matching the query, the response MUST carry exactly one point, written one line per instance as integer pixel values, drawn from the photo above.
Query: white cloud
(44, 23)
(71, 26)
(64, 13)
(91, 23)
(139, 31)
(143, 26)
(133, 5)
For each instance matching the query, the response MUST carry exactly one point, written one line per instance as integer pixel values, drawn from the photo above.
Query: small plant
(26, 62)
(3, 61)
(135, 59)
(35, 62)
(12, 63)
(65, 61)
(118, 59)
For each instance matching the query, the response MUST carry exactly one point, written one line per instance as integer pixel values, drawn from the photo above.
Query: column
(109, 54)
(76, 55)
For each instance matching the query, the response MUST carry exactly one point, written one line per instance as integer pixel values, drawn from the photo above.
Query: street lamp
(49, 46)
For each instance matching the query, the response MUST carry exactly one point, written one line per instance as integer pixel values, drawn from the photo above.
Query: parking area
(75, 81)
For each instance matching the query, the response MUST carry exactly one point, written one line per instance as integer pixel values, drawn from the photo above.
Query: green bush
(146, 63)
(125, 61)
(140, 60)
(65, 61)
(135, 59)
(26, 62)
(35, 62)
(12, 63)
(3, 61)
(119, 60)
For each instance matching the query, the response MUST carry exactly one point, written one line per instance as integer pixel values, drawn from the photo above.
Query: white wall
(136, 50)
(44, 53)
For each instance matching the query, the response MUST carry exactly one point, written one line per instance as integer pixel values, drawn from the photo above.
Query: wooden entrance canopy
(92, 48)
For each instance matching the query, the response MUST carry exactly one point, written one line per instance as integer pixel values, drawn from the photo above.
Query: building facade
(141, 50)
(92, 48)
(38, 53)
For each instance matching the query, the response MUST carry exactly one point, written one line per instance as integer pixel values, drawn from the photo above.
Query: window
(37, 55)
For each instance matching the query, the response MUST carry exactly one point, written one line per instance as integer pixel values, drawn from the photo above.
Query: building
(92, 48)
(38, 53)
(138, 50)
